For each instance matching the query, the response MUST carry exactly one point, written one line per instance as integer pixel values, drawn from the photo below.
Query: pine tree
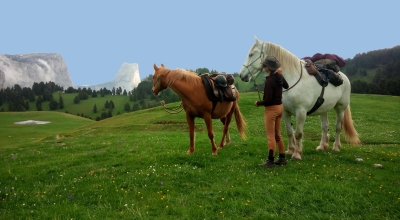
(127, 107)
(60, 101)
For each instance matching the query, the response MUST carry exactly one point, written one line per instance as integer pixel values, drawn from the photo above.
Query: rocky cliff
(127, 78)
(26, 69)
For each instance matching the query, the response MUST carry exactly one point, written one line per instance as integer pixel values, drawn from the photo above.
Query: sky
(96, 37)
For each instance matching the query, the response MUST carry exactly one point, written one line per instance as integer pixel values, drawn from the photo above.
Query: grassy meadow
(134, 166)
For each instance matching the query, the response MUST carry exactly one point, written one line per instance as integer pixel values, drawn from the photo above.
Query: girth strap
(319, 102)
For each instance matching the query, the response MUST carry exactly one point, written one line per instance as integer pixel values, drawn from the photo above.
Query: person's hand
(255, 104)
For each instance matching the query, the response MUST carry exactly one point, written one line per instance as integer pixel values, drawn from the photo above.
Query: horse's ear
(155, 67)
(256, 39)
(162, 65)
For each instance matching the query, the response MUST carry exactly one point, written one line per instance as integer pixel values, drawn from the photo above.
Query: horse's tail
(348, 127)
(240, 122)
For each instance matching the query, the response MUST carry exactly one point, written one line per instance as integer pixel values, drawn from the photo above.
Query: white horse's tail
(348, 127)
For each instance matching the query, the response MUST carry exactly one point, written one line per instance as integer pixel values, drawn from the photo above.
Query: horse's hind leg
(190, 121)
(338, 129)
(325, 128)
(289, 131)
(208, 121)
(226, 139)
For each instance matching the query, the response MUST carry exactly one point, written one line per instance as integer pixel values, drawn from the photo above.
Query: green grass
(85, 107)
(12, 135)
(134, 166)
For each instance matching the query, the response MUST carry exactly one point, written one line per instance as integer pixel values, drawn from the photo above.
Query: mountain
(26, 69)
(127, 78)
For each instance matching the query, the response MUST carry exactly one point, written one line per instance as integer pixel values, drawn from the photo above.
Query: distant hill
(375, 72)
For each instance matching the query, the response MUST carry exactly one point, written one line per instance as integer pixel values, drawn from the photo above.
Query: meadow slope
(135, 166)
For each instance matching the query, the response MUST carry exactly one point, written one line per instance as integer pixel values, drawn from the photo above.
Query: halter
(261, 55)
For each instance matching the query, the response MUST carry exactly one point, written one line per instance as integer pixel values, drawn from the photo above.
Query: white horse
(301, 96)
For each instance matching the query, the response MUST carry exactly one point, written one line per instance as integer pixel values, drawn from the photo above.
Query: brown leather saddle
(323, 77)
(323, 74)
(217, 93)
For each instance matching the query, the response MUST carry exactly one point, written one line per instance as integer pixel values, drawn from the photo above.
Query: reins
(256, 86)
(172, 110)
(301, 74)
(168, 110)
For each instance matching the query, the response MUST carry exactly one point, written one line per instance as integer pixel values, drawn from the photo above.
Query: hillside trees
(127, 107)
(53, 104)
(60, 101)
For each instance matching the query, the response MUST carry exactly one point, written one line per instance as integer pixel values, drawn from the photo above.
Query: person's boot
(281, 161)
(268, 164)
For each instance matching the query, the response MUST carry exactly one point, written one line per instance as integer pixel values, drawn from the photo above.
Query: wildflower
(70, 196)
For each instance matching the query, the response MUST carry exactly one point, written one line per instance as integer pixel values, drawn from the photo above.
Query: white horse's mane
(289, 62)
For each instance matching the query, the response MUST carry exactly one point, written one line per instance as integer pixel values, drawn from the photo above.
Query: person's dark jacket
(273, 90)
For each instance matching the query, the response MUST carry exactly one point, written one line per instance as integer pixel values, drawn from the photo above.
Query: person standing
(272, 101)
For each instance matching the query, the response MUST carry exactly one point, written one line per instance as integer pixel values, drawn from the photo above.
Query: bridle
(260, 57)
(248, 70)
(255, 84)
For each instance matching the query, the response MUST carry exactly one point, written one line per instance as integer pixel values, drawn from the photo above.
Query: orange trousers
(272, 121)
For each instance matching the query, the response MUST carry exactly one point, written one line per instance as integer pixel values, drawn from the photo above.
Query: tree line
(384, 65)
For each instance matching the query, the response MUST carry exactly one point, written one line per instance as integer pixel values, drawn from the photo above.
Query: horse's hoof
(215, 153)
(296, 156)
(320, 148)
(190, 152)
(289, 152)
(337, 149)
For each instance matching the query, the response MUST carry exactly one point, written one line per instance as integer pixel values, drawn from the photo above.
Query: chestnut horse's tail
(348, 127)
(240, 123)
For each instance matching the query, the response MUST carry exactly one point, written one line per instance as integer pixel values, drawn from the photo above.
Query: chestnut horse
(188, 85)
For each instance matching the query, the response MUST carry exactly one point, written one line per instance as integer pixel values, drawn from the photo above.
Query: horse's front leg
(208, 121)
(190, 121)
(338, 129)
(287, 117)
(325, 128)
(300, 120)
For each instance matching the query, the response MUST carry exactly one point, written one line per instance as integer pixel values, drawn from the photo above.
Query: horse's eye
(250, 55)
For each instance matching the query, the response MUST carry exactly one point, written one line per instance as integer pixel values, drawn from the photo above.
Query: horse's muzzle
(245, 78)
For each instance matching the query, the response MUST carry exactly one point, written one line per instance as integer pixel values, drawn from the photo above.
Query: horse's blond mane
(289, 62)
(180, 74)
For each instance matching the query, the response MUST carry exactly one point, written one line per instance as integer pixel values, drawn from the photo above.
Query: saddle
(323, 75)
(219, 92)
(322, 78)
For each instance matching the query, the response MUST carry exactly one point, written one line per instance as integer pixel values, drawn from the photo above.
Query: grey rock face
(2, 80)
(127, 78)
(26, 69)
